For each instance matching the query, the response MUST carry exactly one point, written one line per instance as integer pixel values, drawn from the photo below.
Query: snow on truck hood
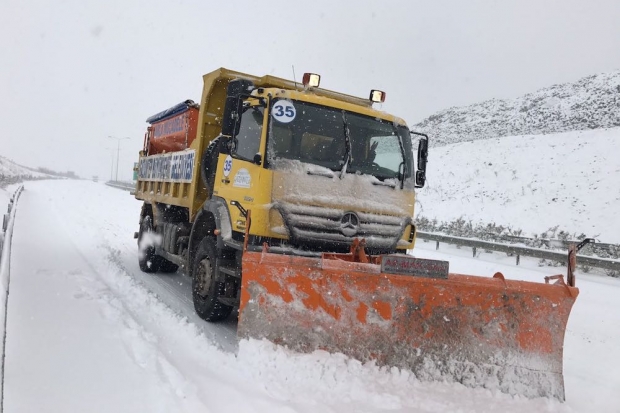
(301, 183)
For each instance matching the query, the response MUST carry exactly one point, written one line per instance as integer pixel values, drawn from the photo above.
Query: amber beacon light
(377, 96)
(311, 80)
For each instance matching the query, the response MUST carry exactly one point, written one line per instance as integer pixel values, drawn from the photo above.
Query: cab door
(239, 175)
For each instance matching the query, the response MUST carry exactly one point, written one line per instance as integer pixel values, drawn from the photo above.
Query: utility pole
(118, 150)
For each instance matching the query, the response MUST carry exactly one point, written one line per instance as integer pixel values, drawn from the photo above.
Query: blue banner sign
(168, 167)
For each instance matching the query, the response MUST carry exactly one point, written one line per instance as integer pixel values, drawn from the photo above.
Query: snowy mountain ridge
(589, 103)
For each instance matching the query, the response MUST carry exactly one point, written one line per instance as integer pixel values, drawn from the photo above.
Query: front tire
(205, 288)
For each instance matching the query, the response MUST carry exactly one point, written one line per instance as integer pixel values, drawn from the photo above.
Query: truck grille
(313, 224)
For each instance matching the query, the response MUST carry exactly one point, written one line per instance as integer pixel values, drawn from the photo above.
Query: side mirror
(420, 178)
(258, 159)
(420, 175)
(422, 154)
(233, 108)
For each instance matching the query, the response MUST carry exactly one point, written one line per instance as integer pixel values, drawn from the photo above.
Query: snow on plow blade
(479, 331)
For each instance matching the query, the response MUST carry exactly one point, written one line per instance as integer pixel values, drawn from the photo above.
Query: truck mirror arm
(261, 100)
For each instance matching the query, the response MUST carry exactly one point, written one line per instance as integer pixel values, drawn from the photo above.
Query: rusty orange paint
(311, 303)
(532, 339)
(362, 311)
(383, 308)
(271, 285)
(346, 296)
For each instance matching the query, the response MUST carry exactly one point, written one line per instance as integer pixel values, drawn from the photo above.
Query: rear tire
(148, 261)
(205, 289)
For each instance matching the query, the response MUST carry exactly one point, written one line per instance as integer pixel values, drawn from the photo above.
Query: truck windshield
(317, 134)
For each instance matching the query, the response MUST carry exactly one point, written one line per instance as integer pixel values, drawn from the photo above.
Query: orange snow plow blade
(479, 331)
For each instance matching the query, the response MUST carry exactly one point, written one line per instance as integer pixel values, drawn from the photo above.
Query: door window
(247, 142)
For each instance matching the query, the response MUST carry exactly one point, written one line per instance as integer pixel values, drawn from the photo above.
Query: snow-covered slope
(532, 182)
(589, 103)
(10, 172)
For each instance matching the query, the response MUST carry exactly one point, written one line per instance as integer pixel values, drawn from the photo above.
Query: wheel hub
(204, 277)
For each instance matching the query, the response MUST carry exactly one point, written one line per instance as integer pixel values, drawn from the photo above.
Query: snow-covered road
(87, 331)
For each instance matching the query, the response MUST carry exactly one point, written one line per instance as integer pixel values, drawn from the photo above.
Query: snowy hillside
(10, 172)
(589, 103)
(532, 182)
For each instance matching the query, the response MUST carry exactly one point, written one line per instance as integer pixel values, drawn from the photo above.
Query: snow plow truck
(293, 204)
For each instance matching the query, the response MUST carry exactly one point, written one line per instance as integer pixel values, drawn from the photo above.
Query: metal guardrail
(518, 251)
(6, 217)
(548, 242)
(5, 280)
(121, 185)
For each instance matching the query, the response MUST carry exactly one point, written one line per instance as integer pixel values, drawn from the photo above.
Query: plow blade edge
(479, 331)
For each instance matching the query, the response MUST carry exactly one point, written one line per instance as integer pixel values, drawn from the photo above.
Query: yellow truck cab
(313, 168)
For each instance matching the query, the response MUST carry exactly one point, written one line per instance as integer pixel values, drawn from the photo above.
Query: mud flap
(479, 331)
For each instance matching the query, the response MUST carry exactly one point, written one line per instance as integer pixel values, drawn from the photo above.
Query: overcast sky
(74, 72)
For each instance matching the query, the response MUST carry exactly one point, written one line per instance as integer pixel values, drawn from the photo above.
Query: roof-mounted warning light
(377, 96)
(311, 80)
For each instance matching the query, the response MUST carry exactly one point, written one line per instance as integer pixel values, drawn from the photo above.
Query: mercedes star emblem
(349, 224)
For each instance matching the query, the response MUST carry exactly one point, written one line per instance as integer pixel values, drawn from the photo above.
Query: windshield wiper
(390, 184)
(347, 144)
(321, 173)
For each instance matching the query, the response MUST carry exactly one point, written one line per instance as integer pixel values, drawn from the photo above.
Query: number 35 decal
(228, 165)
(283, 111)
